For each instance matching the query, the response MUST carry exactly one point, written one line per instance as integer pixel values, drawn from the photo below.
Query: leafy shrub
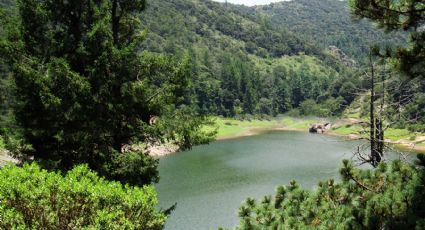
(32, 198)
(388, 197)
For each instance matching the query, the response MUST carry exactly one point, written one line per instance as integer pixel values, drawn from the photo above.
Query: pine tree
(408, 15)
(388, 197)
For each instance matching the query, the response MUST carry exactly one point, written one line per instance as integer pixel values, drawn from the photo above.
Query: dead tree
(384, 111)
(376, 130)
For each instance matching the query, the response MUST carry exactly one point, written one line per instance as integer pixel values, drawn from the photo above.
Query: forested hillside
(181, 24)
(327, 23)
(271, 59)
(242, 64)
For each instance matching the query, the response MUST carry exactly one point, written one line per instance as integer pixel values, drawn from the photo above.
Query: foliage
(242, 64)
(325, 23)
(32, 198)
(330, 107)
(6, 81)
(188, 133)
(84, 91)
(402, 97)
(388, 197)
(230, 49)
(183, 23)
(405, 15)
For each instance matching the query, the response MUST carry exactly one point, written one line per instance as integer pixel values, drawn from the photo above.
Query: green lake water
(210, 182)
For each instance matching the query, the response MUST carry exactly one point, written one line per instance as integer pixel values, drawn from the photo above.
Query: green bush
(32, 198)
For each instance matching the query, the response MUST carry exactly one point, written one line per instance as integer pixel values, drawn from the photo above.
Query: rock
(314, 128)
(153, 120)
(342, 57)
(327, 126)
(319, 128)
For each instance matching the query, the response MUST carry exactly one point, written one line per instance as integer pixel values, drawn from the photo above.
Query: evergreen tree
(84, 92)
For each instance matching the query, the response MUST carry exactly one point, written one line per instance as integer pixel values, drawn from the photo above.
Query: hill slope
(241, 64)
(183, 23)
(327, 22)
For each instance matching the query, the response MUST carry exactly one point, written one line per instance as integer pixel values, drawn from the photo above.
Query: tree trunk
(376, 131)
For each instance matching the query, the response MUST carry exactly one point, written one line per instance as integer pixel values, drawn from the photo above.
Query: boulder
(319, 128)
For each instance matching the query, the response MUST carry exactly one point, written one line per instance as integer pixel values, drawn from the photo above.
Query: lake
(210, 182)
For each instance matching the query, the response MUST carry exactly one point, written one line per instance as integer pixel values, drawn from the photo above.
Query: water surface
(210, 182)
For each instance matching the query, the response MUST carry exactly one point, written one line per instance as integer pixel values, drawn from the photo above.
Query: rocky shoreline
(162, 150)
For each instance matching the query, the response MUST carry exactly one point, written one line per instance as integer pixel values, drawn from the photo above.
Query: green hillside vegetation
(238, 60)
(328, 23)
(243, 59)
(178, 25)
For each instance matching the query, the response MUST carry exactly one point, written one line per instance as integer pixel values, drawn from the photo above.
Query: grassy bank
(233, 128)
(350, 128)
(400, 138)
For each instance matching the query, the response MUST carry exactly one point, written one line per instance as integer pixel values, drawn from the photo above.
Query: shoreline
(243, 129)
(234, 129)
(400, 144)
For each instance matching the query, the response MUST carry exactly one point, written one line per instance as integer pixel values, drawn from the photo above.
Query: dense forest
(245, 65)
(327, 23)
(86, 87)
(267, 59)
